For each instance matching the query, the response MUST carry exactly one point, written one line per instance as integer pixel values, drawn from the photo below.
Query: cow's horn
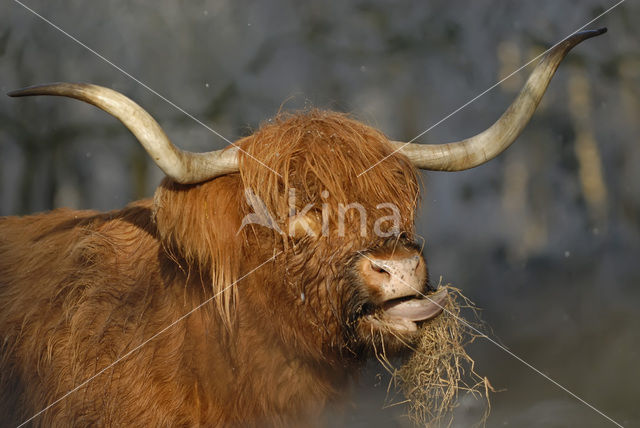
(182, 166)
(490, 143)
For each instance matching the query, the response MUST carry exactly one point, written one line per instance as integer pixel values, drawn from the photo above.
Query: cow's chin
(396, 323)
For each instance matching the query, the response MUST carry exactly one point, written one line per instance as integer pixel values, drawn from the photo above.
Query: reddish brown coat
(81, 289)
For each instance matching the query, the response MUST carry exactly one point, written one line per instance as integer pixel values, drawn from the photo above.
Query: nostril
(377, 268)
(419, 263)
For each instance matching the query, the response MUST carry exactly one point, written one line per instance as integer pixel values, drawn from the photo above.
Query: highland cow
(175, 312)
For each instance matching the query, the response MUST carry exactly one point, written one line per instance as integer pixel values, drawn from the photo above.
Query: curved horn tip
(29, 90)
(587, 34)
(16, 92)
(560, 49)
(53, 88)
(597, 31)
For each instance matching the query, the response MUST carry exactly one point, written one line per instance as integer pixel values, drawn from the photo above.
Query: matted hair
(318, 153)
(321, 155)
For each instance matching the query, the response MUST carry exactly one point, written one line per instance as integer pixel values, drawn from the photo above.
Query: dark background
(545, 238)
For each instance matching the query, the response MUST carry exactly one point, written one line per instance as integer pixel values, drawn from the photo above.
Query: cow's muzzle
(398, 286)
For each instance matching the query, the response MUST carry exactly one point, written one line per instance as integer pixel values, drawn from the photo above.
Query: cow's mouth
(404, 314)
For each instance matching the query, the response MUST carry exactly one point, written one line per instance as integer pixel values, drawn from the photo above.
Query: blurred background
(545, 239)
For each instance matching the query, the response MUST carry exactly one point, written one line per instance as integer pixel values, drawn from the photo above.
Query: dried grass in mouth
(440, 370)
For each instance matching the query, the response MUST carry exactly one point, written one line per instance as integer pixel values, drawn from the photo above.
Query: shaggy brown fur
(80, 289)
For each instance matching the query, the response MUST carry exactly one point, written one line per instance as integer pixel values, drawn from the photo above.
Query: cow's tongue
(418, 309)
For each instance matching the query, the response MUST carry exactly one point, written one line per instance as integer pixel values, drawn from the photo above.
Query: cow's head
(333, 198)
